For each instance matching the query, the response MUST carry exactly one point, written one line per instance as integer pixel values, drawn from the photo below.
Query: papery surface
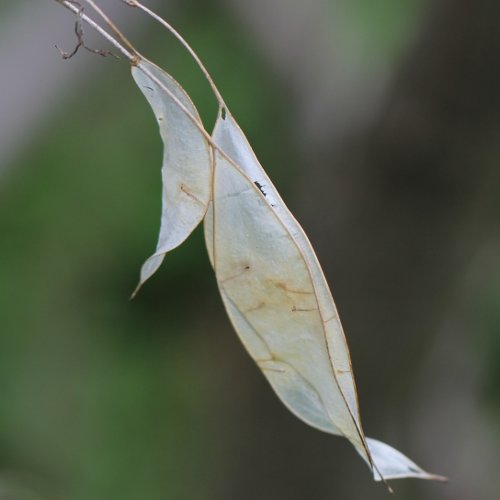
(186, 169)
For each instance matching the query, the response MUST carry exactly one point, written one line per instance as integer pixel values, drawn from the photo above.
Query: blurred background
(380, 124)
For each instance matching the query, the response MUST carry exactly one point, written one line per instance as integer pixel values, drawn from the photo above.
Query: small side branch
(80, 40)
(136, 60)
(76, 8)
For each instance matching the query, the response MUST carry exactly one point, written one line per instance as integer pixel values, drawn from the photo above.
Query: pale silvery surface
(279, 303)
(270, 280)
(269, 277)
(186, 169)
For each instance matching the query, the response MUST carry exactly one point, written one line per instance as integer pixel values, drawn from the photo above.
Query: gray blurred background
(380, 124)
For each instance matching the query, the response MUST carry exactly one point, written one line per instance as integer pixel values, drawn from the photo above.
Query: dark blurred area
(380, 124)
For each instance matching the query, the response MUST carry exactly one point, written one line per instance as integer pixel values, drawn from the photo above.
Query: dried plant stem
(136, 59)
(176, 34)
(76, 9)
(111, 25)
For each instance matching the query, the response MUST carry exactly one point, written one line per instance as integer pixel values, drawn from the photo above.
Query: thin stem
(111, 25)
(81, 43)
(137, 59)
(131, 56)
(194, 55)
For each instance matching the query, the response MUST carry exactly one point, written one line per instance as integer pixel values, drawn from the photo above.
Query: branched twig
(80, 41)
(136, 59)
(70, 5)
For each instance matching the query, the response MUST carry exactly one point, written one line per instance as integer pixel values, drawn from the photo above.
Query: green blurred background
(379, 122)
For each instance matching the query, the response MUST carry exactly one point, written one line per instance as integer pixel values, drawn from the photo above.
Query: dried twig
(80, 40)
